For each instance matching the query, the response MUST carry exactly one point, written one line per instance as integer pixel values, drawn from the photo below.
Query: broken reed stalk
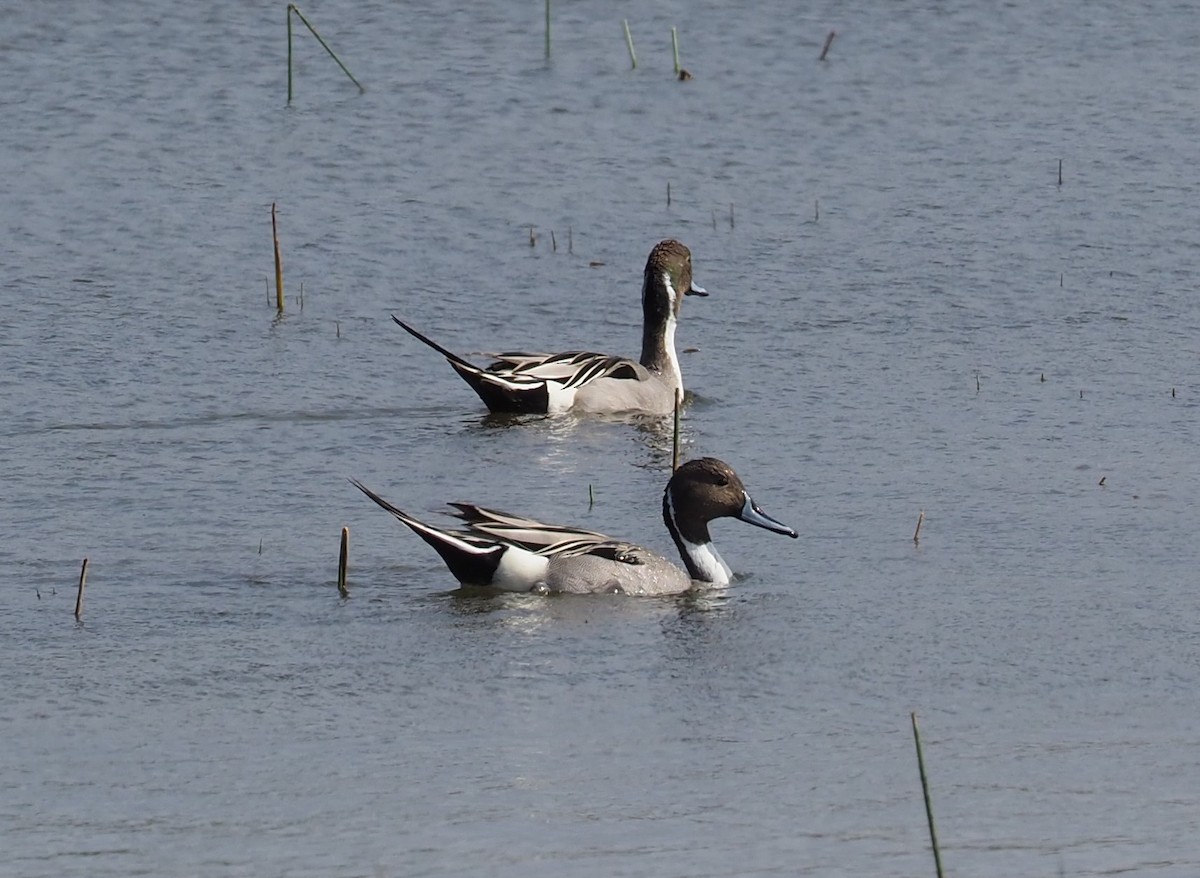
(828, 43)
(547, 30)
(278, 262)
(668, 193)
(1060, 172)
(343, 557)
(591, 496)
(629, 45)
(675, 49)
(79, 595)
(917, 532)
(675, 431)
(293, 8)
(937, 856)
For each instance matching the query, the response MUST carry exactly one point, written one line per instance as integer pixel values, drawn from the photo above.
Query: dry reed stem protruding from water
(278, 262)
(79, 595)
(937, 855)
(828, 43)
(917, 532)
(343, 560)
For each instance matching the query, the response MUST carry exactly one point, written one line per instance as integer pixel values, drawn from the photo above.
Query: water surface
(908, 313)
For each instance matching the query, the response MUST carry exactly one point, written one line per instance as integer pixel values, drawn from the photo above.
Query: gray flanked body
(508, 552)
(583, 381)
(589, 574)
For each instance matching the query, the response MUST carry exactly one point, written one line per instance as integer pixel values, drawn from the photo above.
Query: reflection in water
(654, 433)
(529, 611)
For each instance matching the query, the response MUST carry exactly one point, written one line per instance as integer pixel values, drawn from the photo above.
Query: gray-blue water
(894, 270)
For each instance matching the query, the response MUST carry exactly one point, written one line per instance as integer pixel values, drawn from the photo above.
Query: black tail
(449, 355)
(497, 393)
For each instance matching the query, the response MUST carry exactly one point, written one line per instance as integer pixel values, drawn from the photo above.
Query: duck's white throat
(707, 563)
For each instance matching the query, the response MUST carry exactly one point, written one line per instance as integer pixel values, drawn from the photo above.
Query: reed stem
(937, 856)
(278, 262)
(79, 594)
(629, 45)
(675, 431)
(293, 8)
(343, 558)
(289, 18)
(675, 49)
(547, 30)
(828, 43)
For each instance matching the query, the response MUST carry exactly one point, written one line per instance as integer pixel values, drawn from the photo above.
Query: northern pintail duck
(588, 382)
(511, 553)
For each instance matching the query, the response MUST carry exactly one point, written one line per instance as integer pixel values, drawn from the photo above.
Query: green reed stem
(289, 18)
(675, 49)
(937, 856)
(629, 45)
(293, 8)
(675, 432)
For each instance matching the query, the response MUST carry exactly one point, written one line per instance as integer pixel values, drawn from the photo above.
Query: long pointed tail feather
(471, 561)
(448, 354)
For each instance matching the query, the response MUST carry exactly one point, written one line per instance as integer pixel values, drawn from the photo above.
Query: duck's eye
(722, 481)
